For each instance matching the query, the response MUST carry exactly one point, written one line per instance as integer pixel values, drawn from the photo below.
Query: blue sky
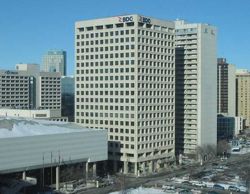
(28, 28)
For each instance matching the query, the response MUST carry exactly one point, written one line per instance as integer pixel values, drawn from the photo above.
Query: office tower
(243, 94)
(49, 90)
(195, 86)
(16, 90)
(28, 88)
(68, 97)
(226, 99)
(125, 83)
(55, 61)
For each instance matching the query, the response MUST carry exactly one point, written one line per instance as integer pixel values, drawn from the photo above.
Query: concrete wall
(31, 152)
(207, 88)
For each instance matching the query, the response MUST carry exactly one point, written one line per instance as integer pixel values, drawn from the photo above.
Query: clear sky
(28, 28)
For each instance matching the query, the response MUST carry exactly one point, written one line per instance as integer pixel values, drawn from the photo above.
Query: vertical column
(143, 167)
(151, 166)
(125, 167)
(94, 169)
(136, 169)
(24, 175)
(87, 171)
(57, 177)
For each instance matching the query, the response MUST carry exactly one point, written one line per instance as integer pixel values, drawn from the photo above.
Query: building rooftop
(18, 127)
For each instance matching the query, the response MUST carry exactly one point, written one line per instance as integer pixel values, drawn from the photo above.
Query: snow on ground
(141, 190)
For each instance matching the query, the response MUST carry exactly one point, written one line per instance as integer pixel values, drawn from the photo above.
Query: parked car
(200, 184)
(212, 192)
(185, 191)
(218, 187)
(233, 188)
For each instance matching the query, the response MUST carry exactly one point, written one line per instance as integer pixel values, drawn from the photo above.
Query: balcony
(190, 72)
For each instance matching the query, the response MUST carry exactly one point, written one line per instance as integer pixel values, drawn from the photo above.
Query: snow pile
(10, 127)
(140, 190)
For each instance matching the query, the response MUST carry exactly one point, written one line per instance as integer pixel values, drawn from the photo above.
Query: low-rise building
(44, 114)
(27, 145)
(225, 127)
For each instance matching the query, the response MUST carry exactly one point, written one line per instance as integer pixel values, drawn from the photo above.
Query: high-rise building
(49, 90)
(55, 61)
(68, 97)
(226, 99)
(195, 86)
(125, 83)
(243, 94)
(28, 88)
(16, 90)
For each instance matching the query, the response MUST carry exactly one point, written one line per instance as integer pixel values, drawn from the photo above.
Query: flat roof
(19, 127)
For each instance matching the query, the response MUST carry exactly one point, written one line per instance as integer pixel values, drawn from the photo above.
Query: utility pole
(43, 172)
(51, 169)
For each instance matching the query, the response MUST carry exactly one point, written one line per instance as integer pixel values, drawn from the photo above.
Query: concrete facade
(49, 91)
(28, 88)
(243, 95)
(196, 81)
(16, 90)
(47, 114)
(125, 83)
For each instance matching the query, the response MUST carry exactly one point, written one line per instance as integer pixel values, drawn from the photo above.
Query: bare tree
(205, 153)
(210, 151)
(222, 147)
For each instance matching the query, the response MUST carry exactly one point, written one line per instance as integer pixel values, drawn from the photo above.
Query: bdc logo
(145, 20)
(126, 19)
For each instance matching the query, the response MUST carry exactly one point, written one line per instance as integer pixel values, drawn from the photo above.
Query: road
(132, 182)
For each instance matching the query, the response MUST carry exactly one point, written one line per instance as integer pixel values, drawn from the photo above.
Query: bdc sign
(144, 20)
(126, 19)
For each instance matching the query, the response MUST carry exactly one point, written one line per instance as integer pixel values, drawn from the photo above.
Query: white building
(28, 88)
(239, 125)
(16, 89)
(125, 83)
(49, 90)
(35, 144)
(55, 61)
(45, 114)
(196, 85)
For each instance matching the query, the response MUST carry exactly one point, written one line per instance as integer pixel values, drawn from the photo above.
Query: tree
(222, 147)
(205, 152)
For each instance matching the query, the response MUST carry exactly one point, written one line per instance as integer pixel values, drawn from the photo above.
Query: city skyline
(27, 36)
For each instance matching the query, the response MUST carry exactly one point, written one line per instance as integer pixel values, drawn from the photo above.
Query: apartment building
(196, 81)
(125, 83)
(226, 99)
(243, 94)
